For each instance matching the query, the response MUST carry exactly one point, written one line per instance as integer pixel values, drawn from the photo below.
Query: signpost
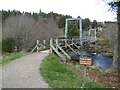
(86, 61)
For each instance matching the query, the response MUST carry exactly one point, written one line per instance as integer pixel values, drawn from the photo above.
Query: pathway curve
(24, 72)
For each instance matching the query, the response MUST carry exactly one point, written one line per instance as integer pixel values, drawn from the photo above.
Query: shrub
(99, 34)
(0, 46)
(8, 45)
(9, 57)
(102, 42)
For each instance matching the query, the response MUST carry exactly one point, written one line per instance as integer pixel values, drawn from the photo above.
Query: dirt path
(24, 72)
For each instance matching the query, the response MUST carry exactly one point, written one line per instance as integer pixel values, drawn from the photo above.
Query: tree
(20, 28)
(73, 29)
(61, 22)
(86, 23)
(118, 19)
(35, 15)
(94, 24)
(115, 6)
(25, 30)
(8, 45)
(0, 16)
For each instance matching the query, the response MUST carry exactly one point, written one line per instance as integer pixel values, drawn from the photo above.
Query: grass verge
(58, 75)
(10, 57)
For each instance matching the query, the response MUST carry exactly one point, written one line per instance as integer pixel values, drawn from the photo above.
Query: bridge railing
(61, 41)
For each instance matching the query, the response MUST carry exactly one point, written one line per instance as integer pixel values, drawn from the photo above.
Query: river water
(100, 60)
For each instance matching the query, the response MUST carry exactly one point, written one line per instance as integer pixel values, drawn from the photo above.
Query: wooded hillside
(25, 27)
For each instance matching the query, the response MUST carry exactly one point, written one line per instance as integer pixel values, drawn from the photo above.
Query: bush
(73, 29)
(8, 45)
(0, 46)
(9, 57)
(102, 42)
(99, 34)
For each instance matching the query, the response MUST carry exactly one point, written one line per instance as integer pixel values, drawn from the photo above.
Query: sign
(85, 61)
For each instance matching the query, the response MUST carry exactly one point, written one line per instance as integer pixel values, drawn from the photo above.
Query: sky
(92, 9)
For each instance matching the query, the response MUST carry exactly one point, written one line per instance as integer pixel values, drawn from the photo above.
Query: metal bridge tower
(80, 25)
(95, 37)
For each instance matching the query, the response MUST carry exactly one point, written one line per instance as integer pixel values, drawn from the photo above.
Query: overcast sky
(93, 9)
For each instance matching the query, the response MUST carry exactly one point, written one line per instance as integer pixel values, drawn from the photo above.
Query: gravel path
(24, 72)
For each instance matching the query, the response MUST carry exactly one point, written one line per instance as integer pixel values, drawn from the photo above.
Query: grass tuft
(10, 57)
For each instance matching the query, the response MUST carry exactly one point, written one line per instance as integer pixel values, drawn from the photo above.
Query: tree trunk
(118, 18)
(116, 56)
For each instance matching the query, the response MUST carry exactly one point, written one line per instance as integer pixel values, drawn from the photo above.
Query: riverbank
(59, 75)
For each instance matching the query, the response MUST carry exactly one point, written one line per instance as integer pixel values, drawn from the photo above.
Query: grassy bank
(10, 57)
(59, 75)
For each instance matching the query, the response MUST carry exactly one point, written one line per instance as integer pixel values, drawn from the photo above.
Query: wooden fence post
(37, 45)
(65, 42)
(51, 44)
(44, 42)
(15, 49)
(72, 41)
(56, 40)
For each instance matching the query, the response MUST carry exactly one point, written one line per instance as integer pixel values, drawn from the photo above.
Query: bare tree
(0, 31)
(47, 28)
(25, 30)
(0, 39)
(115, 6)
(20, 28)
